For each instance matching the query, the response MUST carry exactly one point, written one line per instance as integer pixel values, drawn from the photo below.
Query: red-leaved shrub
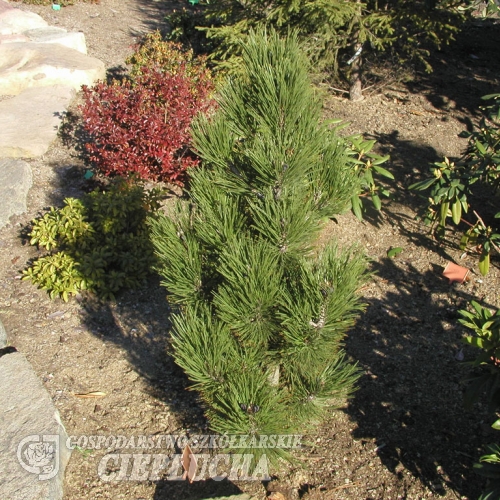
(142, 125)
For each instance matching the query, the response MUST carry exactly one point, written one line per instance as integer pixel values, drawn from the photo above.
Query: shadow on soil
(464, 71)
(409, 162)
(410, 399)
(139, 323)
(198, 490)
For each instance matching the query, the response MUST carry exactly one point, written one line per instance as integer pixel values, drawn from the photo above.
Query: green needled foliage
(341, 37)
(262, 311)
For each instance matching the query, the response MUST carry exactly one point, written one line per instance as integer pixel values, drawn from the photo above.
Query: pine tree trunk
(355, 90)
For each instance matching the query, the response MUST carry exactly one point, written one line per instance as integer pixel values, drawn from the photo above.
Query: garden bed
(404, 434)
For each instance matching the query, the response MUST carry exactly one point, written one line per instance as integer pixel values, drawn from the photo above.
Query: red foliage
(143, 126)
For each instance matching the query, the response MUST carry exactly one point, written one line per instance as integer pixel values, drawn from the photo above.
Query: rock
(17, 37)
(33, 439)
(4, 6)
(3, 336)
(16, 21)
(72, 40)
(26, 65)
(30, 120)
(15, 182)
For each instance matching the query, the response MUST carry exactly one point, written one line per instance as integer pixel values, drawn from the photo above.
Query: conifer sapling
(261, 310)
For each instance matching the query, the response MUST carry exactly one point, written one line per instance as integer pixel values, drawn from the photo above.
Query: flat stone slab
(16, 21)
(3, 335)
(15, 181)
(33, 439)
(16, 37)
(29, 121)
(5, 6)
(50, 34)
(26, 65)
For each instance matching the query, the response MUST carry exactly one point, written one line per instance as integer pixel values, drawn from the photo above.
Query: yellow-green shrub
(98, 243)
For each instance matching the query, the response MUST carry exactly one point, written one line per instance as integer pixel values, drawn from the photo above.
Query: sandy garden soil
(404, 434)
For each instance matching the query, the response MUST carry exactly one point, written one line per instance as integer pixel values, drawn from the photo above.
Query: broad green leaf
(491, 471)
(382, 171)
(475, 341)
(465, 205)
(463, 241)
(369, 177)
(456, 211)
(394, 251)
(376, 201)
(422, 185)
(477, 307)
(488, 324)
(444, 213)
(357, 207)
(480, 147)
(484, 263)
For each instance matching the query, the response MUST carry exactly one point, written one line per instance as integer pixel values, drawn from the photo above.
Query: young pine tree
(261, 311)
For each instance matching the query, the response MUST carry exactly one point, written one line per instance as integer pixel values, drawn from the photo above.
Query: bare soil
(404, 434)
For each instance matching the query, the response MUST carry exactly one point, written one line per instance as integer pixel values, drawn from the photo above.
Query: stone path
(41, 69)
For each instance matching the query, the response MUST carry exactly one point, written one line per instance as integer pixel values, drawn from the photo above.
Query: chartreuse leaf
(394, 251)
(376, 201)
(357, 207)
(456, 211)
(484, 263)
(445, 205)
(98, 237)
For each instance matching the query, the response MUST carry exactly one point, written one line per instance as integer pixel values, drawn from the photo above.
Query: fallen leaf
(189, 463)
(95, 394)
(56, 314)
